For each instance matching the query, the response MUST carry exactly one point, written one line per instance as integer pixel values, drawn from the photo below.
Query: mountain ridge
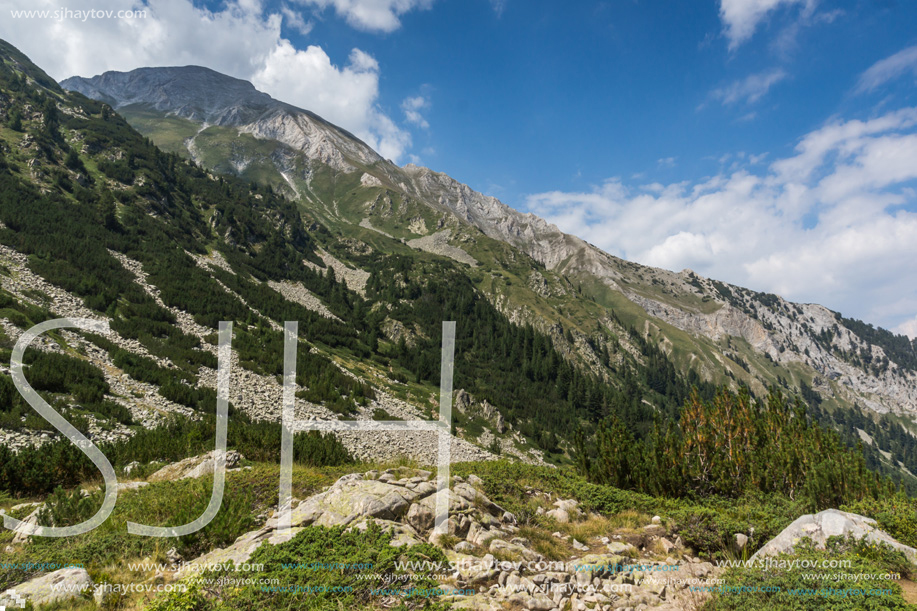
(694, 305)
(189, 92)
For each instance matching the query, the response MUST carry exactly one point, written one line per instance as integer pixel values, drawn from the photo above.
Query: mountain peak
(207, 97)
(192, 92)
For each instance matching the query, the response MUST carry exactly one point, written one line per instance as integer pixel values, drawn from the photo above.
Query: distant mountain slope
(808, 344)
(210, 98)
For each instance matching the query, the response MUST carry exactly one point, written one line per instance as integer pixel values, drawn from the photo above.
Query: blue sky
(546, 95)
(769, 143)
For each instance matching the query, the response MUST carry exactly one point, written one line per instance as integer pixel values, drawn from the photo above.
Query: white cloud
(499, 6)
(888, 69)
(295, 20)
(346, 96)
(835, 223)
(750, 89)
(908, 328)
(242, 40)
(371, 15)
(412, 107)
(741, 17)
(786, 42)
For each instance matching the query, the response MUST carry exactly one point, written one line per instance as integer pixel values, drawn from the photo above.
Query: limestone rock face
(829, 523)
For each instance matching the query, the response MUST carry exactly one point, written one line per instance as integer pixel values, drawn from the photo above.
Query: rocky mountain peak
(207, 97)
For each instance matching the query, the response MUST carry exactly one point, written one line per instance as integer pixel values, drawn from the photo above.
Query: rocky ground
(498, 560)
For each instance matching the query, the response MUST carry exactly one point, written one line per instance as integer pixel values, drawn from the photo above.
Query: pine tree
(15, 120)
(108, 211)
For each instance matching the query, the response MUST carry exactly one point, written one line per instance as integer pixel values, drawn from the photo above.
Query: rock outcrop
(490, 558)
(830, 523)
(57, 587)
(194, 467)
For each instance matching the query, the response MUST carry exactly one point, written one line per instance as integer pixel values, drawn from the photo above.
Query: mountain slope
(207, 97)
(692, 318)
(97, 223)
(553, 336)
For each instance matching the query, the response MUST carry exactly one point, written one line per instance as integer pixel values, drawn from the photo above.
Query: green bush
(800, 589)
(64, 508)
(896, 515)
(286, 563)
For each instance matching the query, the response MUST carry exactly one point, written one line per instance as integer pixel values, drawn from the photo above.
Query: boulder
(350, 499)
(474, 571)
(596, 565)
(463, 547)
(30, 520)
(420, 517)
(741, 540)
(478, 602)
(196, 466)
(831, 522)
(237, 553)
(477, 499)
(566, 510)
(513, 550)
(58, 586)
(533, 602)
(625, 549)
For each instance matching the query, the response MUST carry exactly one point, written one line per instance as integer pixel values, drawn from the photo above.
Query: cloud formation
(834, 223)
(371, 15)
(412, 107)
(741, 17)
(750, 89)
(888, 69)
(295, 20)
(242, 40)
(908, 328)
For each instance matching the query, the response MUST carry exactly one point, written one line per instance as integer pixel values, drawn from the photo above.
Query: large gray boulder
(350, 501)
(352, 498)
(196, 466)
(61, 585)
(831, 522)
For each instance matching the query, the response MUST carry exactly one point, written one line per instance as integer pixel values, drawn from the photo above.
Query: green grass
(167, 132)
